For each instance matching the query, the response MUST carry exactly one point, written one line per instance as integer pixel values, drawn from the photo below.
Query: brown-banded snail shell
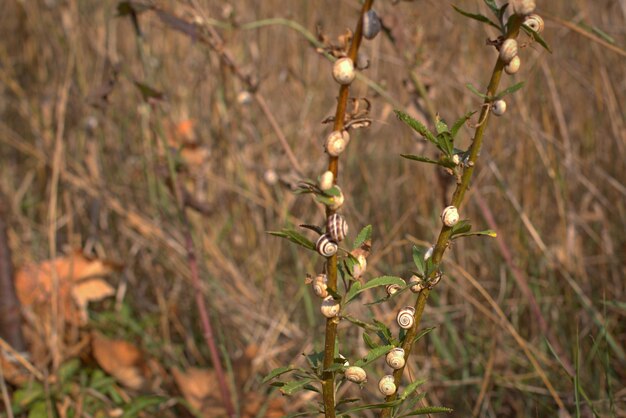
(498, 107)
(450, 216)
(326, 180)
(513, 66)
(395, 358)
(336, 227)
(337, 201)
(522, 7)
(355, 374)
(387, 385)
(336, 142)
(330, 307)
(343, 71)
(320, 285)
(416, 283)
(371, 24)
(535, 22)
(508, 50)
(406, 317)
(392, 289)
(326, 246)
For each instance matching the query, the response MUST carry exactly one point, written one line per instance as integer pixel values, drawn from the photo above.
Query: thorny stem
(328, 378)
(457, 200)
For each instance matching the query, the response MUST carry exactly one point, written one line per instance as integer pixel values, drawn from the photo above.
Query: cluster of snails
(336, 231)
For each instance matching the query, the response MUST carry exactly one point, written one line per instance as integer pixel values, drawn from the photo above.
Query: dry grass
(552, 173)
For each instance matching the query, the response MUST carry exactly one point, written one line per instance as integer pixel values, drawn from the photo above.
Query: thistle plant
(328, 369)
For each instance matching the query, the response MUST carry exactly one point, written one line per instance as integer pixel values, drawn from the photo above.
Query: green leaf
(24, 397)
(423, 159)
(279, 371)
(383, 331)
(383, 281)
(422, 333)
(418, 259)
(384, 405)
(411, 388)
(364, 235)
(141, 403)
(446, 143)
(488, 233)
(38, 410)
(427, 410)
(368, 341)
(333, 191)
(69, 369)
(473, 89)
(537, 38)
(294, 237)
(460, 122)
(354, 290)
(493, 6)
(374, 354)
(335, 366)
(509, 90)
(441, 126)
(476, 16)
(325, 200)
(416, 125)
(290, 388)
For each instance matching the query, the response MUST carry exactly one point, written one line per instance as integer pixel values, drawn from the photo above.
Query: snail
(320, 285)
(386, 385)
(326, 180)
(433, 282)
(417, 284)
(523, 7)
(359, 268)
(395, 358)
(429, 253)
(362, 61)
(535, 22)
(336, 227)
(336, 142)
(343, 71)
(392, 289)
(355, 374)
(498, 107)
(337, 201)
(371, 24)
(456, 159)
(513, 66)
(330, 307)
(450, 216)
(406, 317)
(508, 50)
(326, 246)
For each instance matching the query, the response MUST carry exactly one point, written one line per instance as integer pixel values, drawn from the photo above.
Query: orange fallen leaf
(90, 291)
(199, 387)
(121, 359)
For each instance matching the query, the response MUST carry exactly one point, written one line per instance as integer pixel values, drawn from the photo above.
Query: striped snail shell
(513, 66)
(392, 289)
(371, 24)
(395, 358)
(343, 71)
(326, 246)
(336, 227)
(406, 317)
(320, 285)
(450, 216)
(337, 201)
(417, 284)
(535, 22)
(355, 374)
(336, 142)
(386, 385)
(330, 307)
(498, 107)
(508, 50)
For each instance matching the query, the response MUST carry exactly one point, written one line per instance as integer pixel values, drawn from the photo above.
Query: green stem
(457, 200)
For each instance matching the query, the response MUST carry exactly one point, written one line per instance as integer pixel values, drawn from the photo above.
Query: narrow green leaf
(476, 16)
(423, 332)
(290, 388)
(374, 354)
(461, 227)
(141, 403)
(368, 407)
(333, 191)
(355, 289)
(383, 281)
(364, 235)
(460, 122)
(423, 159)
(368, 341)
(441, 126)
(412, 387)
(446, 143)
(418, 259)
(487, 233)
(473, 89)
(509, 90)
(493, 6)
(294, 237)
(279, 371)
(383, 331)
(311, 413)
(427, 410)
(365, 325)
(537, 38)
(416, 125)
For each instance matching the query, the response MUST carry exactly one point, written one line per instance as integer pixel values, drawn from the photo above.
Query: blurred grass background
(551, 174)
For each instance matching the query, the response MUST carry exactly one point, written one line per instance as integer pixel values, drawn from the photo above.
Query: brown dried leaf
(90, 291)
(199, 387)
(120, 359)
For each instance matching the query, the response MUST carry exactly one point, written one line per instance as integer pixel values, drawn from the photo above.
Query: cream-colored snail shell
(456, 159)
(429, 252)
(371, 24)
(386, 385)
(337, 201)
(508, 50)
(450, 216)
(326, 246)
(535, 22)
(330, 307)
(362, 61)
(320, 285)
(433, 282)
(327, 179)
(336, 142)
(355, 374)
(513, 66)
(343, 71)
(392, 289)
(417, 284)
(522, 7)
(498, 107)
(395, 358)
(406, 317)
(360, 267)
(336, 227)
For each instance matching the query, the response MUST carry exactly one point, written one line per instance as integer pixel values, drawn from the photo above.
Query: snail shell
(392, 289)
(513, 66)
(450, 216)
(359, 269)
(417, 284)
(535, 22)
(355, 374)
(320, 285)
(337, 201)
(336, 227)
(371, 24)
(386, 385)
(326, 180)
(508, 50)
(523, 7)
(406, 317)
(330, 307)
(395, 358)
(343, 71)
(429, 253)
(336, 142)
(326, 246)
(498, 107)
(433, 282)
(362, 61)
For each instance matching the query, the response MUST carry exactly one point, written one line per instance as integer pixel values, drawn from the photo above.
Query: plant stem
(328, 378)
(443, 240)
